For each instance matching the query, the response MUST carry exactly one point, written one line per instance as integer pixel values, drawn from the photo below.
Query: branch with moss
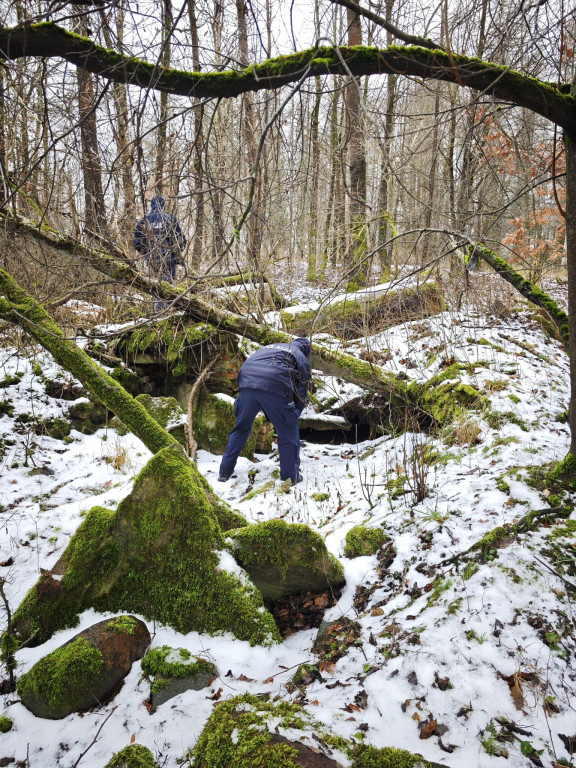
(530, 291)
(20, 308)
(556, 103)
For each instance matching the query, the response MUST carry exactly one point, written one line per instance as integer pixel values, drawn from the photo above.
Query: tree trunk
(198, 113)
(570, 143)
(357, 165)
(314, 172)
(254, 227)
(123, 151)
(3, 171)
(162, 131)
(95, 208)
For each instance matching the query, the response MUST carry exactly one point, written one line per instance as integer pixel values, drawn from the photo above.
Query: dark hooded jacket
(158, 234)
(281, 369)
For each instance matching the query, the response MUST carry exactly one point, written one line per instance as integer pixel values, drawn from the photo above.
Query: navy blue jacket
(280, 369)
(158, 234)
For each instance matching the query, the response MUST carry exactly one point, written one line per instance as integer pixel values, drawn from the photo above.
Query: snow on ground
(512, 616)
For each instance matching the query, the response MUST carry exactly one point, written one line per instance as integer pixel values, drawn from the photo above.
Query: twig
(94, 740)
(569, 584)
(191, 442)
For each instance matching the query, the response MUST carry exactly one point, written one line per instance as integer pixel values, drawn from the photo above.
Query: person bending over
(275, 380)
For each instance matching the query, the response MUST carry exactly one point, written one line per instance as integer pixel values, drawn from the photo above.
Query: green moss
(320, 496)
(503, 486)
(133, 756)
(157, 556)
(363, 540)
(470, 569)
(170, 663)
(568, 529)
(123, 624)
(62, 677)
(388, 757)
(10, 380)
(283, 545)
(563, 474)
(268, 486)
(439, 586)
(5, 724)
(237, 736)
(214, 420)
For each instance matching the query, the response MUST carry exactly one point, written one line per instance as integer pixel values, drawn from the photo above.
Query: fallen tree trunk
(368, 311)
(530, 291)
(20, 308)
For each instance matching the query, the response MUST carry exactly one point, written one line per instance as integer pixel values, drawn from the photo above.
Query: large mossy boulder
(157, 555)
(175, 671)
(214, 420)
(86, 670)
(285, 559)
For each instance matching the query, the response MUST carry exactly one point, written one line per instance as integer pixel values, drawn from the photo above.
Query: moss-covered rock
(175, 670)
(157, 555)
(243, 733)
(133, 756)
(53, 426)
(166, 411)
(363, 540)
(57, 684)
(83, 672)
(87, 416)
(214, 420)
(285, 559)
(389, 757)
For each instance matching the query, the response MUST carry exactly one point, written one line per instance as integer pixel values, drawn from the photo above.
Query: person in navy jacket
(159, 238)
(275, 379)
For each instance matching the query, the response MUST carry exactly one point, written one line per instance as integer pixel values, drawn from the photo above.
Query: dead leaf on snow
(428, 729)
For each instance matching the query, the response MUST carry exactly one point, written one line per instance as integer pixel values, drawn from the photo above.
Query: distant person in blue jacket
(275, 380)
(160, 240)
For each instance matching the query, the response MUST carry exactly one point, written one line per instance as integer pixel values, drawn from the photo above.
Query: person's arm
(301, 383)
(139, 237)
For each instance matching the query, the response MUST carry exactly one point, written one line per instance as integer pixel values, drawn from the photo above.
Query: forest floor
(464, 663)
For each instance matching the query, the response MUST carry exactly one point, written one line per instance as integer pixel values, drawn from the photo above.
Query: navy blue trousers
(283, 415)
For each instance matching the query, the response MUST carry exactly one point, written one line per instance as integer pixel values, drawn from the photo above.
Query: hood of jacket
(304, 345)
(157, 203)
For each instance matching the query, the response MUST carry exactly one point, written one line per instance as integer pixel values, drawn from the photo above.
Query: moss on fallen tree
(157, 555)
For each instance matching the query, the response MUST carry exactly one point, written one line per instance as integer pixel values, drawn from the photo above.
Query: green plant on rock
(132, 756)
(236, 735)
(363, 540)
(166, 662)
(126, 625)
(283, 545)
(5, 724)
(156, 555)
(388, 757)
(61, 677)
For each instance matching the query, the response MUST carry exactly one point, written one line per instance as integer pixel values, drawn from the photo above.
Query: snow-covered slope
(501, 631)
